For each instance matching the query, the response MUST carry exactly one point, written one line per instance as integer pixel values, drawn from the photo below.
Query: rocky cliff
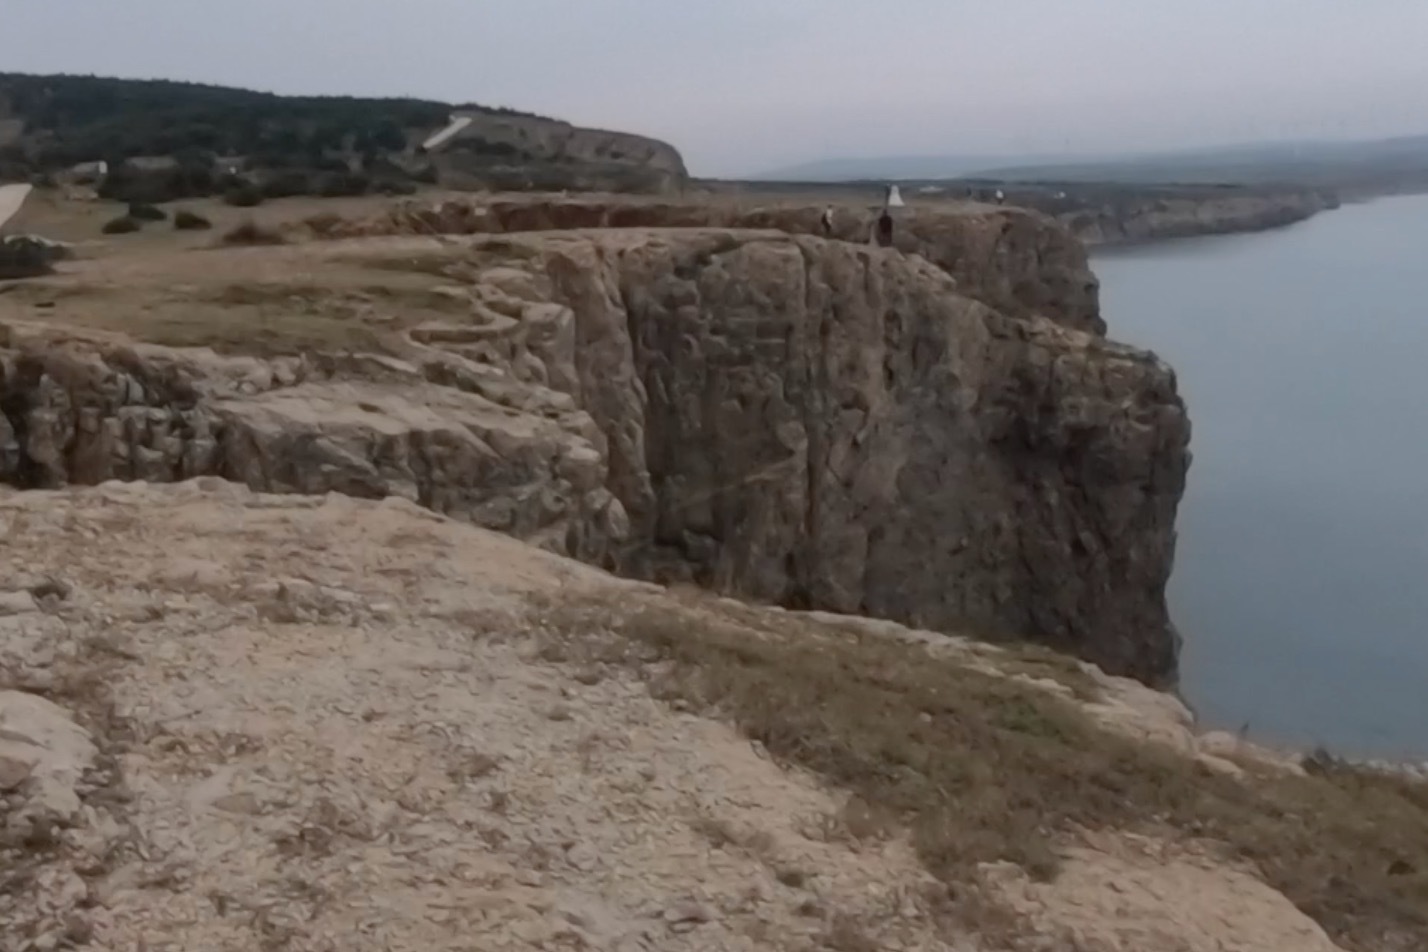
(809, 422)
(1012, 259)
(1130, 221)
(511, 151)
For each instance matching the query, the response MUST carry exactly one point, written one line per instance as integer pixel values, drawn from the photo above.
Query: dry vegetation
(251, 233)
(980, 768)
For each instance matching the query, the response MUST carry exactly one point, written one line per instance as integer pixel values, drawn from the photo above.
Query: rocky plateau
(808, 422)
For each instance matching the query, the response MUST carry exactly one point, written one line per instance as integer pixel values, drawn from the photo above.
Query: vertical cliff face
(810, 422)
(821, 424)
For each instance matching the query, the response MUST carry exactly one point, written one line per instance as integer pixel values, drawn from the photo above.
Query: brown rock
(14, 771)
(816, 423)
(1015, 260)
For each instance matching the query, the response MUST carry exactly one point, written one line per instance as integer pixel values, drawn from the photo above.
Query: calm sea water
(1301, 575)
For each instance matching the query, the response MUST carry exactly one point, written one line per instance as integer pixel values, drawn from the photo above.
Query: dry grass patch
(982, 768)
(251, 332)
(251, 233)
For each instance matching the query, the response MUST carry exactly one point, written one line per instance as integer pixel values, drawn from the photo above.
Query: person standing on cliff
(827, 222)
(885, 228)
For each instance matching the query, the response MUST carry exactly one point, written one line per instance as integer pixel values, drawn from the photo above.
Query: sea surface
(1301, 574)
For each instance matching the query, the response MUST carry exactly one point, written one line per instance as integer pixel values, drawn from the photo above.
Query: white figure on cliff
(827, 222)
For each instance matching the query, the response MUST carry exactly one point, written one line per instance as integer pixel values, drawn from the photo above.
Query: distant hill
(187, 134)
(1381, 164)
(1374, 165)
(900, 167)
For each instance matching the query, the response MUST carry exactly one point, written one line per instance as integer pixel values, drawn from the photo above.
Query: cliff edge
(809, 422)
(1131, 219)
(1015, 260)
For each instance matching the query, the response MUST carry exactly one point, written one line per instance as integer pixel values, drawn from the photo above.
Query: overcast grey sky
(743, 85)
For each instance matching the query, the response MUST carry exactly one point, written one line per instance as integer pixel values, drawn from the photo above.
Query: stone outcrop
(367, 427)
(809, 422)
(1012, 259)
(508, 151)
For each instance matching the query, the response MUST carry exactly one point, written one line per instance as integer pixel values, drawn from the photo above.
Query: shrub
(141, 211)
(342, 184)
(185, 220)
(286, 184)
(25, 258)
(123, 225)
(243, 196)
(324, 225)
(251, 233)
(395, 187)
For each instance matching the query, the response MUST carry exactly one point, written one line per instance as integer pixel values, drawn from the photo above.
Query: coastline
(1194, 217)
(1099, 214)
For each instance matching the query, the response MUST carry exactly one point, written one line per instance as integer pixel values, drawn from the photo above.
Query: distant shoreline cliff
(1160, 219)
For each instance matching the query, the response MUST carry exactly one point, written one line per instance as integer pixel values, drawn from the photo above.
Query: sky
(743, 86)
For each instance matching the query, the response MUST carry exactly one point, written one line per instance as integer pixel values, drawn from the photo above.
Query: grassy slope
(982, 768)
(76, 118)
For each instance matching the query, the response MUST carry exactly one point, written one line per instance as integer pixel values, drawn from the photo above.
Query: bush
(243, 196)
(123, 225)
(251, 233)
(141, 211)
(286, 184)
(25, 258)
(343, 184)
(324, 225)
(395, 187)
(185, 220)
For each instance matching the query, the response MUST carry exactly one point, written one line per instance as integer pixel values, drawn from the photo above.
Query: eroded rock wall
(835, 426)
(811, 422)
(363, 426)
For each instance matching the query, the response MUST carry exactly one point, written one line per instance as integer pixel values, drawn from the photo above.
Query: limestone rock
(1015, 260)
(815, 423)
(45, 753)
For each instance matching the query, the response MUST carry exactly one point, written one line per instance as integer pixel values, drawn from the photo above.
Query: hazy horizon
(745, 87)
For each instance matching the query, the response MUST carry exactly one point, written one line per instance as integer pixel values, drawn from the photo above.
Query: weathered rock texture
(811, 422)
(513, 151)
(1012, 259)
(324, 723)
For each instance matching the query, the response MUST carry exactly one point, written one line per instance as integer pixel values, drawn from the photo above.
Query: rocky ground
(316, 723)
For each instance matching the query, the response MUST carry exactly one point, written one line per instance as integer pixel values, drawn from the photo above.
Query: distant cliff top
(50, 124)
